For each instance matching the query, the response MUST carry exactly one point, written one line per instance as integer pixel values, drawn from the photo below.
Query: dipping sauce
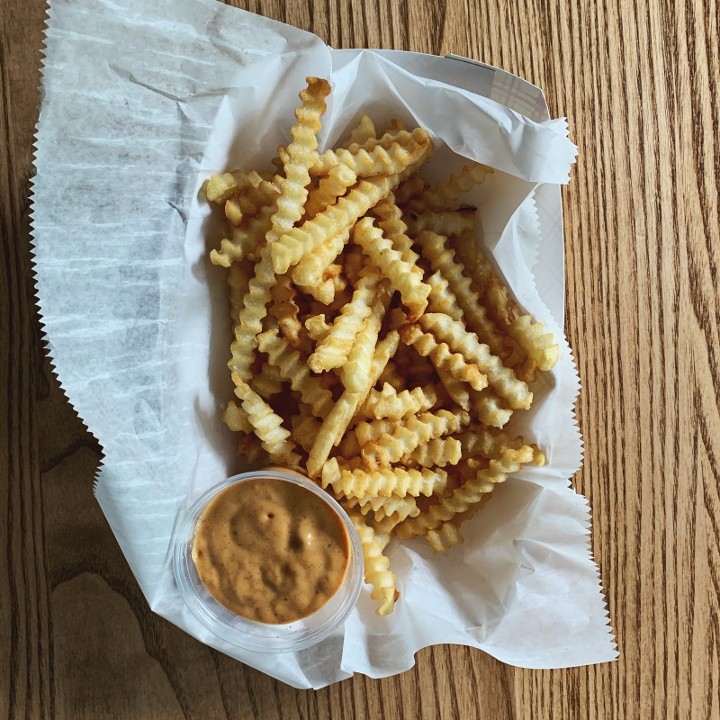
(270, 550)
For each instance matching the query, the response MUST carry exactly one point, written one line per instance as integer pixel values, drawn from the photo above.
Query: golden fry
(441, 357)
(500, 378)
(266, 425)
(445, 194)
(292, 368)
(363, 131)
(333, 350)
(403, 276)
(467, 494)
(377, 565)
(393, 405)
(384, 482)
(356, 371)
(442, 258)
(299, 241)
(415, 430)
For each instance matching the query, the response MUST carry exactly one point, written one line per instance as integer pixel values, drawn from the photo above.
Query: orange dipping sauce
(270, 551)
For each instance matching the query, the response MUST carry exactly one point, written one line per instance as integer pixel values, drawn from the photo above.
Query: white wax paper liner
(138, 109)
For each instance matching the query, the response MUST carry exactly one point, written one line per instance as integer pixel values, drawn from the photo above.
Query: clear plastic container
(249, 634)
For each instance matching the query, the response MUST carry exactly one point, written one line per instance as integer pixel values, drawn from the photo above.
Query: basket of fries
(347, 264)
(373, 343)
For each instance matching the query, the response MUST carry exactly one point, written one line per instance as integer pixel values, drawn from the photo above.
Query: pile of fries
(374, 346)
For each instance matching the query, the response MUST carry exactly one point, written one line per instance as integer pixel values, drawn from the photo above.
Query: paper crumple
(141, 102)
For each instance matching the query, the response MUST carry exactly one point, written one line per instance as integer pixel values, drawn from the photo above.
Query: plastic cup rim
(243, 632)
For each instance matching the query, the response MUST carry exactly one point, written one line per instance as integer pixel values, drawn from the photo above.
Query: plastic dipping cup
(250, 634)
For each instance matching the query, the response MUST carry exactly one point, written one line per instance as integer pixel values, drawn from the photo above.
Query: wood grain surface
(639, 84)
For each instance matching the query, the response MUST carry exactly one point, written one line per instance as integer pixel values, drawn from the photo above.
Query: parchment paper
(141, 101)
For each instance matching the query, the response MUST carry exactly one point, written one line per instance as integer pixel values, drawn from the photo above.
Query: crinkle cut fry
(435, 249)
(337, 421)
(415, 431)
(310, 270)
(333, 350)
(491, 409)
(441, 298)
(250, 317)
(333, 426)
(246, 240)
(438, 452)
(468, 494)
(528, 333)
(301, 156)
(238, 279)
(285, 310)
(367, 432)
(381, 507)
(492, 291)
(388, 403)
(490, 443)
(293, 193)
(266, 424)
(390, 221)
(317, 327)
(323, 291)
(220, 188)
(448, 223)
(292, 368)
(362, 132)
(500, 378)
(402, 138)
(377, 565)
(329, 189)
(356, 371)
(539, 345)
(386, 525)
(385, 161)
(385, 482)
(267, 382)
(234, 212)
(257, 194)
(236, 418)
(456, 389)
(441, 356)
(291, 247)
(403, 276)
(448, 534)
(331, 291)
(445, 193)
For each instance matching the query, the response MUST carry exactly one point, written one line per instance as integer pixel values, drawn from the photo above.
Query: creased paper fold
(140, 103)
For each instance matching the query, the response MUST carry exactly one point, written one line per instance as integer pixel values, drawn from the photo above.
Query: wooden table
(639, 84)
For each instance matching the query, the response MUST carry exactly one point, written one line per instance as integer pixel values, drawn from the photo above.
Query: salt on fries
(374, 345)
